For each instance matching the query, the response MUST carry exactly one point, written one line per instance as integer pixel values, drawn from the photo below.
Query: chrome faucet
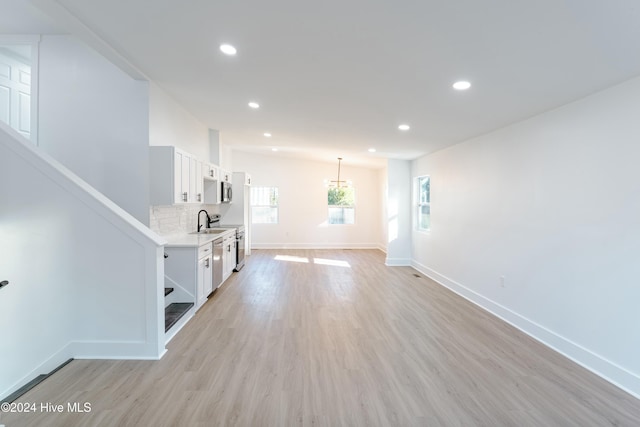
(208, 219)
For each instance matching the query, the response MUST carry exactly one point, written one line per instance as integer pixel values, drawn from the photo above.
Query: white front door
(15, 92)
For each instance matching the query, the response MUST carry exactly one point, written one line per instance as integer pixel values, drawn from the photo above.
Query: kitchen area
(202, 210)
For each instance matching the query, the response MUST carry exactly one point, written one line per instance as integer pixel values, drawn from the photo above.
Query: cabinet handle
(184, 196)
(210, 173)
(199, 197)
(206, 262)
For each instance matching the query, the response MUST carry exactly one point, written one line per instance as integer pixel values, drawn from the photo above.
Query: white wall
(85, 276)
(171, 124)
(93, 118)
(553, 205)
(398, 217)
(303, 203)
(383, 184)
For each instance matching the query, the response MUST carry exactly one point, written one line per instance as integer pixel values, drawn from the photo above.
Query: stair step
(173, 312)
(167, 291)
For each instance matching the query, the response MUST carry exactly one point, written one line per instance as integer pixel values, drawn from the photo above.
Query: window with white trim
(342, 205)
(264, 205)
(424, 203)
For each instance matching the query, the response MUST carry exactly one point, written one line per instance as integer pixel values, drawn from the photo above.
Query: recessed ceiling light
(461, 85)
(267, 134)
(227, 49)
(254, 105)
(372, 150)
(274, 149)
(404, 127)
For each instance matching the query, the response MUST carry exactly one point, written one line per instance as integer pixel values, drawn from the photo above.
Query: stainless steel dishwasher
(217, 263)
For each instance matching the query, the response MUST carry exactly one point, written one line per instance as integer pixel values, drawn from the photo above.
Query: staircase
(174, 312)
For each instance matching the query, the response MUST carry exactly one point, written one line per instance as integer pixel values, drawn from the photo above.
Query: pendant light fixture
(338, 183)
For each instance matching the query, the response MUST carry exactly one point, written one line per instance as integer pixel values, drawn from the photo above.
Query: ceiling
(336, 77)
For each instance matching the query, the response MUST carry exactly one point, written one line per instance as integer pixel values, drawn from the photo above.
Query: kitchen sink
(209, 231)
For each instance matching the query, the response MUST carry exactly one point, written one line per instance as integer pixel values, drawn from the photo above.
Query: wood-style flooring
(336, 338)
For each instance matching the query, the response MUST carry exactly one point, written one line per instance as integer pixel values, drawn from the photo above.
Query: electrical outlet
(502, 281)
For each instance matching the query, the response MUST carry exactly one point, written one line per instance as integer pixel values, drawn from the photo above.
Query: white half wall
(171, 124)
(552, 204)
(85, 277)
(303, 203)
(94, 119)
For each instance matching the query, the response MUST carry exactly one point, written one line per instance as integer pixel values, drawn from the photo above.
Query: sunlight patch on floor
(291, 258)
(333, 262)
(319, 261)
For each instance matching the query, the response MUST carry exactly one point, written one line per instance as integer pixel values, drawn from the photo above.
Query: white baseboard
(397, 262)
(617, 375)
(118, 350)
(55, 360)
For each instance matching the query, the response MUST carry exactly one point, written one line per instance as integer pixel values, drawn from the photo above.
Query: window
(264, 205)
(342, 209)
(424, 203)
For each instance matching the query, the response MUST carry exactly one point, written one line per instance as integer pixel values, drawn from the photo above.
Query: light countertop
(186, 240)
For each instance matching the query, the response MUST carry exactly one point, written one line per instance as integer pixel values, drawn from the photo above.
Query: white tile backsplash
(176, 219)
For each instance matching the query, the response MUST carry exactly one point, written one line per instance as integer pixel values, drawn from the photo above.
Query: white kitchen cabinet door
(197, 178)
(185, 175)
(229, 256)
(208, 276)
(177, 178)
(204, 285)
(204, 280)
(210, 171)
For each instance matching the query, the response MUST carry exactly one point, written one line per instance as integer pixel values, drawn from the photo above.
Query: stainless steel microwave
(227, 194)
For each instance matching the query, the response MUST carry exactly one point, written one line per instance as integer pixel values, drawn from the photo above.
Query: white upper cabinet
(195, 180)
(178, 177)
(175, 175)
(210, 171)
(182, 164)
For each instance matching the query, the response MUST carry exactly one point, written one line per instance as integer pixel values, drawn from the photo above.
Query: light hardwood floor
(287, 342)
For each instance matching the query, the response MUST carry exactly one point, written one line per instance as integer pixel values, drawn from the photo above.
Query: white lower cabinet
(205, 274)
(228, 256)
(189, 269)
